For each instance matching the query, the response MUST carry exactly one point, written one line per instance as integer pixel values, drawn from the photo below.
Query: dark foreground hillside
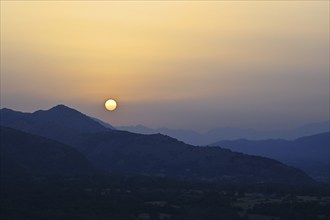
(42, 179)
(140, 197)
(26, 154)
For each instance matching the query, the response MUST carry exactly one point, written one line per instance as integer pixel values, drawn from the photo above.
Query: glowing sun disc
(110, 105)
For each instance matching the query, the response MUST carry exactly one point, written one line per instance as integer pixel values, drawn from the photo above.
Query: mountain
(128, 153)
(26, 154)
(310, 153)
(309, 129)
(187, 136)
(60, 123)
(136, 154)
(138, 129)
(229, 133)
(104, 124)
(57, 115)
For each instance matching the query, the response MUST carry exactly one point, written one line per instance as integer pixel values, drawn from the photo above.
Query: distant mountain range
(230, 133)
(136, 154)
(310, 153)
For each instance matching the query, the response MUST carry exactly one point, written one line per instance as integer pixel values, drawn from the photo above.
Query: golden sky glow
(147, 54)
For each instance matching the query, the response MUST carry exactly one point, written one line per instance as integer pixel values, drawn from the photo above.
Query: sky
(178, 64)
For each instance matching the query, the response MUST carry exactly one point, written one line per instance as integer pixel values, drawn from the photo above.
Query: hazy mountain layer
(310, 153)
(229, 133)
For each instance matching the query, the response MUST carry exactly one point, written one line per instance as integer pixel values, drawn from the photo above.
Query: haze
(187, 64)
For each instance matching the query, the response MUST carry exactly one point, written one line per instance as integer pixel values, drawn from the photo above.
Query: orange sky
(183, 64)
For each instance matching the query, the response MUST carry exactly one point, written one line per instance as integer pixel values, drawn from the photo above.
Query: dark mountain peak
(59, 109)
(70, 118)
(8, 116)
(6, 110)
(60, 123)
(62, 107)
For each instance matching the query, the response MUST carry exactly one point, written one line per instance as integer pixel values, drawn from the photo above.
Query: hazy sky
(179, 64)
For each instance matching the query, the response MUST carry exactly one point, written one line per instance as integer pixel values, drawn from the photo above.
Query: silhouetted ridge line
(136, 154)
(309, 153)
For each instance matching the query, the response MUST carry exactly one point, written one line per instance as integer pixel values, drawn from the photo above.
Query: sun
(110, 105)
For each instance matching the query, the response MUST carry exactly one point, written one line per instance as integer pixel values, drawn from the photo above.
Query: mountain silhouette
(56, 115)
(26, 154)
(135, 154)
(230, 133)
(310, 153)
(124, 152)
(187, 136)
(104, 124)
(60, 123)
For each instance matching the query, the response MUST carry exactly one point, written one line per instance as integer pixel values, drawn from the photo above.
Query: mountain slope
(23, 153)
(157, 154)
(60, 123)
(104, 124)
(187, 136)
(230, 133)
(310, 153)
(128, 153)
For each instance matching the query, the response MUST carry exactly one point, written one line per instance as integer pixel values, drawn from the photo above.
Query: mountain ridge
(156, 154)
(230, 133)
(60, 123)
(310, 153)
